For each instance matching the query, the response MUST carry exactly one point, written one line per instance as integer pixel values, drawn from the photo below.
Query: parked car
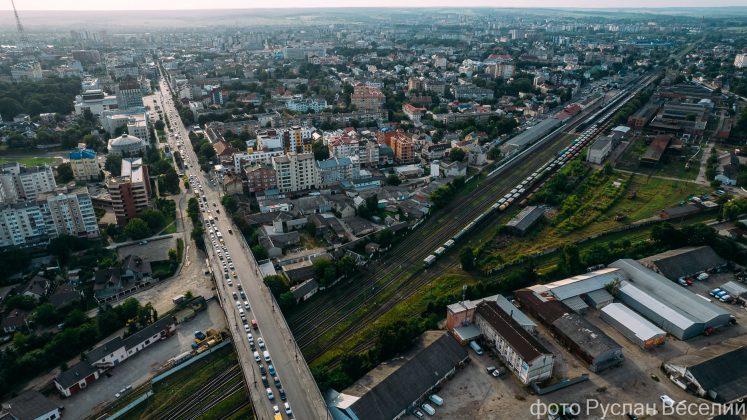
(270, 396)
(667, 400)
(419, 414)
(428, 409)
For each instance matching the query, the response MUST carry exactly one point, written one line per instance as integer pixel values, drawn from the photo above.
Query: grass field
(30, 161)
(644, 198)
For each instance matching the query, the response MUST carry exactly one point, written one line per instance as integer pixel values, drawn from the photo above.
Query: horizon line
(386, 7)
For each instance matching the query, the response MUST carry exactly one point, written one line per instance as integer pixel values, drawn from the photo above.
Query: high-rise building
(84, 164)
(70, 213)
(35, 222)
(129, 94)
(130, 192)
(296, 172)
(96, 101)
(25, 183)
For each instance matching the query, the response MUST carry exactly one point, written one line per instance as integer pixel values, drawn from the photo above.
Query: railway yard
(320, 325)
(210, 388)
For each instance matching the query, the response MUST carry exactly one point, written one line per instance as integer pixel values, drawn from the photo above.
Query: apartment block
(296, 172)
(295, 139)
(84, 164)
(334, 171)
(130, 192)
(260, 177)
(70, 213)
(24, 183)
(129, 94)
(367, 98)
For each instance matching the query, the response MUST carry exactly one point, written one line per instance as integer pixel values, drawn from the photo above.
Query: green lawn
(29, 161)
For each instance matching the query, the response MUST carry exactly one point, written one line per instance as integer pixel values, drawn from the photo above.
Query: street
(297, 381)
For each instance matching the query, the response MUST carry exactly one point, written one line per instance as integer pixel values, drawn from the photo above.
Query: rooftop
(586, 335)
(520, 340)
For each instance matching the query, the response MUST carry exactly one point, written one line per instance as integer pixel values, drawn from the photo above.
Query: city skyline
(82, 5)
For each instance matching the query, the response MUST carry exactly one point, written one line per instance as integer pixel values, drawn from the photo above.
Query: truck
(178, 299)
(476, 347)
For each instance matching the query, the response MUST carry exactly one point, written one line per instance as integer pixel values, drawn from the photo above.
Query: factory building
(633, 326)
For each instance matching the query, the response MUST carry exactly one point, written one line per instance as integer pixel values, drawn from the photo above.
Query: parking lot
(142, 366)
(473, 393)
(154, 250)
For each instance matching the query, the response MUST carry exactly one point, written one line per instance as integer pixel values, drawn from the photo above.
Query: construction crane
(21, 33)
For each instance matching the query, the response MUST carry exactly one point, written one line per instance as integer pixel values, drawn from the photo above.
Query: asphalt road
(296, 379)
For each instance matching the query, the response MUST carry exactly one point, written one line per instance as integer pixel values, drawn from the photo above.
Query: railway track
(391, 277)
(182, 409)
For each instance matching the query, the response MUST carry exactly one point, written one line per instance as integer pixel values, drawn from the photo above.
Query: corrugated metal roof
(734, 288)
(514, 312)
(585, 283)
(576, 304)
(664, 311)
(600, 296)
(670, 293)
(640, 326)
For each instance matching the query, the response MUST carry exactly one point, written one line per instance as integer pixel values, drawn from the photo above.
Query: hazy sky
(244, 4)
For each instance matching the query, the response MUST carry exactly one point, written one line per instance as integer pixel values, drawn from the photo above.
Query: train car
(503, 206)
(429, 260)
(440, 251)
(502, 200)
(494, 207)
(449, 244)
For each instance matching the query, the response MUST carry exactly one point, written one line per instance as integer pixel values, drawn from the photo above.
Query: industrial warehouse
(674, 309)
(633, 326)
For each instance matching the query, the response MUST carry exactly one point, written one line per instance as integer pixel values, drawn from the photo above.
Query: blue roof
(83, 154)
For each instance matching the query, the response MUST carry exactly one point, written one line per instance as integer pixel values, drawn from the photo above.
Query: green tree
(494, 153)
(276, 284)
(45, 314)
(137, 229)
(65, 173)
(159, 125)
(154, 219)
(286, 301)
(467, 258)
(321, 152)
(457, 155)
(393, 179)
(260, 253)
(113, 164)
(230, 203)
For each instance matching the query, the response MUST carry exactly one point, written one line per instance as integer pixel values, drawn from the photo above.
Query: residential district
(374, 214)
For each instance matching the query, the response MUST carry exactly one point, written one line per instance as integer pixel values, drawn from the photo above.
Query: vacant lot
(671, 165)
(30, 161)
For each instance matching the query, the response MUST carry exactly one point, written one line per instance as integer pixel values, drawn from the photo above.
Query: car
(667, 400)
(142, 243)
(233, 273)
(277, 382)
(246, 305)
(419, 414)
(265, 382)
(682, 282)
(261, 342)
(498, 372)
(725, 298)
(246, 328)
(270, 396)
(271, 369)
(257, 358)
(254, 324)
(714, 292)
(288, 409)
(275, 409)
(490, 369)
(249, 337)
(230, 231)
(281, 391)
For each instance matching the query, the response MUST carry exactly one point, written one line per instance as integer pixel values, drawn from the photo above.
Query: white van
(428, 409)
(266, 354)
(436, 400)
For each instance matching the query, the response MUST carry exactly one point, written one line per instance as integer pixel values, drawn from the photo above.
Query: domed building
(126, 145)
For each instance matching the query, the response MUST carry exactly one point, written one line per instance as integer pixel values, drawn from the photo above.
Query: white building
(306, 105)
(26, 71)
(25, 183)
(126, 145)
(599, 150)
(740, 61)
(296, 172)
(48, 216)
(254, 157)
(96, 101)
(70, 213)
